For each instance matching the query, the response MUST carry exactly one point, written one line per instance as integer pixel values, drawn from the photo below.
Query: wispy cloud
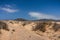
(42, 16)
(9, 9)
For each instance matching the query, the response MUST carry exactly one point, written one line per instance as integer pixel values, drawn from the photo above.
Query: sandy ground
(20, 33)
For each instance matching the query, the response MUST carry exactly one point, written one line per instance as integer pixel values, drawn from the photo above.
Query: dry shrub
(58, 36)
(24, 24)
(56, 27)
(3, 26)
(11, 22)
(41, 27)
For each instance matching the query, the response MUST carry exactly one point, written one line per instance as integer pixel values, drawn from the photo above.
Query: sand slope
(18, 31)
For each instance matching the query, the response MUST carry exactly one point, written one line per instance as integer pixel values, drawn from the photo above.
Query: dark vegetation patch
(0, 32)
(58, 36)
(56, 27)
(3, 26)
(11, 22)
(41, 26)
(24, 24)
(13, 30)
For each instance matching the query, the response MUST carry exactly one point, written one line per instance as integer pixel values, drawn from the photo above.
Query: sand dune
(21, 30)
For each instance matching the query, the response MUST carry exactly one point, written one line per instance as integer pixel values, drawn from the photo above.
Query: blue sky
(29, 9)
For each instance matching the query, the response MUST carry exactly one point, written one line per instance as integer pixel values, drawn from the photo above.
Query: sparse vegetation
(24, 24)
(0, 32)
(11, 22)
(13, 30)
(56, 27)
(58, 36)
(3, 26)
(41, 27)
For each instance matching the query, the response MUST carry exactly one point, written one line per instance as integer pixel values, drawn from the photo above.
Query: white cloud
(9, 10)
(41, 16)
